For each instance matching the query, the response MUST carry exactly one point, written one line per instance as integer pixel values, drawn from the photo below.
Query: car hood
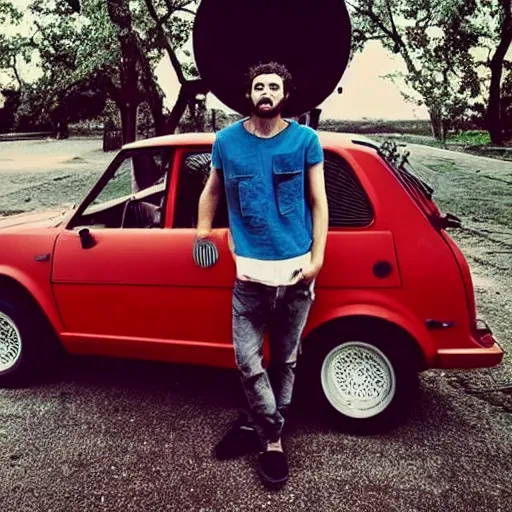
(41, 219)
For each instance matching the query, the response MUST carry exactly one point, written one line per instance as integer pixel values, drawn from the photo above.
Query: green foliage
(9, 13)
(77, 48)
(73, 46)
(99, 51)
(13, 47)
(472, 137)
(31, 113)
(435, 38)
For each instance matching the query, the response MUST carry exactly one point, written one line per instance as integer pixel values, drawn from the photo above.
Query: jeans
(282, 312)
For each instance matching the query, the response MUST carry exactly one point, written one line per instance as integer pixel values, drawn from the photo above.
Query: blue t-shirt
(265, 180)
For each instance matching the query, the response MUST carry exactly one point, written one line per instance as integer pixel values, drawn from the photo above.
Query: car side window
(194, 171)
(134, 195)
(349, 205)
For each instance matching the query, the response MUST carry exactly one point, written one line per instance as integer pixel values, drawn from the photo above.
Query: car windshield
(138, 171)
(415, 175)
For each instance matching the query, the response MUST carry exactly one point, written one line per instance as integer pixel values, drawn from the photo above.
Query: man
(272, 171)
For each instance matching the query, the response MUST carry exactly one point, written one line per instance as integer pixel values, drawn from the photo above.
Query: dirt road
(45, 173)
(131, 436)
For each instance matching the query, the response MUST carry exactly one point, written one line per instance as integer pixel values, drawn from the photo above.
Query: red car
(117, 276)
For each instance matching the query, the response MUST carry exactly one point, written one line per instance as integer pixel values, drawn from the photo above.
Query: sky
(366, 94)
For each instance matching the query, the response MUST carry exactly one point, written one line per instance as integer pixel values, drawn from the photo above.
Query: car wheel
(26, 347)
(365, 383)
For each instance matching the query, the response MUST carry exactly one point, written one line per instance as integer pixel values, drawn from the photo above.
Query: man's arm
(208, 202)
(320, 214)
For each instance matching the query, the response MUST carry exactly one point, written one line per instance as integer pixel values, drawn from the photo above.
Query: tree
(14, 47)
(434, 39)
(11, 102)
(57, 42)
(112, 47)
(506, 103)
(494, 112)
(145, 30)
(192, 88)
(128, 95)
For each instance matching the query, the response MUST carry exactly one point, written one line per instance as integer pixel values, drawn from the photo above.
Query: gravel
(136, 436)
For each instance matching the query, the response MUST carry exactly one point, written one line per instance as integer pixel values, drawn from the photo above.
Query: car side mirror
(86, 239)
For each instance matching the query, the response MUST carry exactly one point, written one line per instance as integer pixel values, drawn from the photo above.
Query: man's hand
(310, 271)
(203, 233)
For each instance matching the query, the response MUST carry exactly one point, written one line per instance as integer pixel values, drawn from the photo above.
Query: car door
(130, 287)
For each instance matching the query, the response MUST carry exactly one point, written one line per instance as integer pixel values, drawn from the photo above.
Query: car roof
(327, 138)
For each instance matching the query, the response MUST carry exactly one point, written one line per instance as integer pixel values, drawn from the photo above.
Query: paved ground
(123, 436)
(132, 436)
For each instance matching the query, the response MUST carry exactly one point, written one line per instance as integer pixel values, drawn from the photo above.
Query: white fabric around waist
(271, 272)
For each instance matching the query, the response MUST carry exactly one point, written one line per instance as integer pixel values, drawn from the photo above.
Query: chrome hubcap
(358, 379)
(10, 343)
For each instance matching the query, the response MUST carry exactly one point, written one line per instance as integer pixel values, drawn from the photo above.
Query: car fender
(410, 325)
(42, 295)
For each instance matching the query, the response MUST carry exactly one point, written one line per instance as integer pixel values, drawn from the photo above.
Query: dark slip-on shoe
(239, 440)
(273, 467)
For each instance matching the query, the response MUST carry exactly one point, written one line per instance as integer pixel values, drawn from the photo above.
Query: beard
(270, 113)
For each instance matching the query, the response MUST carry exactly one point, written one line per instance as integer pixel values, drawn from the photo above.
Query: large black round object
(311, 38)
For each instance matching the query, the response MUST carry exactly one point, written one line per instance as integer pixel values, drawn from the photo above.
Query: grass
(443, 167)
(119, 185)
(470, 137)
(480, 197)
(501, 154)
(474, 142)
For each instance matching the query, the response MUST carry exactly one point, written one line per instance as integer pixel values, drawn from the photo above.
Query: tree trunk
(199, 114)
(120, 15)
(129, 125)
(214, 120)
(132, 54)
(188, 91)
(314, 118)
(156, 106)
(62, 129)
(435, 123)
(494, 108)
(444, 129)
(129, 122)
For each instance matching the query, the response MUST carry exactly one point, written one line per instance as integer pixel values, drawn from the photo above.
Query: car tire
(364, 380)
(27, 343)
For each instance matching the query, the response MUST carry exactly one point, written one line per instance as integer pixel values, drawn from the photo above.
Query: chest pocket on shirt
(251, 200)
(288, 178)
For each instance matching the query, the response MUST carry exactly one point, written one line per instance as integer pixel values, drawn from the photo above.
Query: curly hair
(268, 69)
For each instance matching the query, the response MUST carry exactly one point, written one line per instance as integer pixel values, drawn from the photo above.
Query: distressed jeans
(282, 312)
